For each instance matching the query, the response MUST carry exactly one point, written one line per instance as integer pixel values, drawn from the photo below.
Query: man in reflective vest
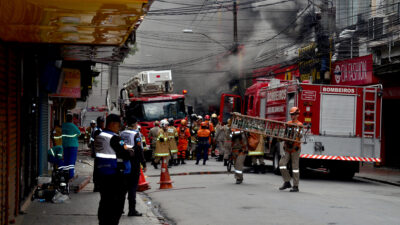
(183, 137)
(292, 152)
(162, 145)
(172, 134)
(239, 151)
(70, 135)
(133, 140)
(97, 130)
(203, 143)
(112, 165)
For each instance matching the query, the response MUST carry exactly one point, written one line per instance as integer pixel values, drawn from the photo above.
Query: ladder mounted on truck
(369, 117)
(271, 128)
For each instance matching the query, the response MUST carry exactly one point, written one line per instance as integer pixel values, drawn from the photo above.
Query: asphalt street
(210, 199)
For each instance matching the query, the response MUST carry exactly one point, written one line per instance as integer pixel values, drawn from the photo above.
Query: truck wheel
(275, 162)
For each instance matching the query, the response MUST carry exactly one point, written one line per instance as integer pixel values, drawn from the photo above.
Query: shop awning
(92, 22)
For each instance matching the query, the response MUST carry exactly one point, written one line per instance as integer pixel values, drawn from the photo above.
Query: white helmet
(199, 118)
(92, 122)
(164, 123)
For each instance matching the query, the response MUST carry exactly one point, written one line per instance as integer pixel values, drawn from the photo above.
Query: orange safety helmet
(183, 122)
(294, 110)
(203, 124)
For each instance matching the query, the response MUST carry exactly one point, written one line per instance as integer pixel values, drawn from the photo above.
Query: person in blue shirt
(70, 135)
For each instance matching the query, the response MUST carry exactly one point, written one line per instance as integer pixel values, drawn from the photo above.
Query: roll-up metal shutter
(9, 153)
(43, 133)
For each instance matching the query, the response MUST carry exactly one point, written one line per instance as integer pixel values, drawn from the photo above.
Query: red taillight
(158, 76)
(131, 95)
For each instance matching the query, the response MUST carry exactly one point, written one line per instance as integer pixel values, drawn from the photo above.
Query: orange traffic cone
(165, 180)
(143, 185)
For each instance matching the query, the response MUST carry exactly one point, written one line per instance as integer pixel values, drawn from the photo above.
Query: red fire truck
(344, 121)
(147, 96)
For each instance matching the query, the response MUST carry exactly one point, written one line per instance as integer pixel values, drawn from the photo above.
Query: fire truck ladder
(369, 121)
(275, 129)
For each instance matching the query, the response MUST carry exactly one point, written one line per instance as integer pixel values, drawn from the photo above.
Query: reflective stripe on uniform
(161, 154)
(238, 171)
(282, 167)
(104, 134)
(295, 171)
(174, 151)
(129, 146)
(255, 153)
(69, 136)
(106, 156)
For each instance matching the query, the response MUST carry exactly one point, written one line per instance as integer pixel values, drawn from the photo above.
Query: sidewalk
(381, 174)
(82, 207)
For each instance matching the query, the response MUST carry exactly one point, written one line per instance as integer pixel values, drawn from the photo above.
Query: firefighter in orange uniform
(183, 137)
(292, 152)
(203, 143)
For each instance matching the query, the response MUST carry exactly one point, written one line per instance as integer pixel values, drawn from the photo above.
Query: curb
(379, 180)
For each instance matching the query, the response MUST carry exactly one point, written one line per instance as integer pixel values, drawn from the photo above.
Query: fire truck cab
(344, 122)
(148, 97)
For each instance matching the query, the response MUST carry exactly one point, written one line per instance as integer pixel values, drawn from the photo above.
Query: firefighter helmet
(207, 117)
(92, 122)
(164, 123)
(294, 110)
(183, 122)
(214, 115)
(199, 118)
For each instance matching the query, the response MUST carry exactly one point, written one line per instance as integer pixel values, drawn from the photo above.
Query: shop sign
(355, 71)
(69, 85)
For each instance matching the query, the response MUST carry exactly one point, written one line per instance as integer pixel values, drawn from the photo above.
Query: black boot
(183, 161)
(225, 162)
(220, 158)
(197, 162)
(262, 169)
(204, 162)
(170, 163)
(176, 162)
(134, 213)
(294, 189)
(285, 185)
(154, 164)
(255, 169)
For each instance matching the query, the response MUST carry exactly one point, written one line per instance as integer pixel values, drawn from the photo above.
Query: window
(251, 102)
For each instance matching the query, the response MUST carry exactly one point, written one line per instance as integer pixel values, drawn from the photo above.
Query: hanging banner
(355, 71)
(70, 84)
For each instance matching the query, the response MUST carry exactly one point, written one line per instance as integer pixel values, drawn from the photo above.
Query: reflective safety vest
(162, 145)
(172, 134)
(129, 137)
(106, 158)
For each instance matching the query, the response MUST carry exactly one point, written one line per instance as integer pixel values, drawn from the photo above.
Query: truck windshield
(151, 111)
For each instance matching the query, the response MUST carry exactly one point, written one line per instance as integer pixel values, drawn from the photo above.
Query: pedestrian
(162, 145)
(153, 134)
(291, 152)
(70, 135)
(183, 141)
(88, 135)
(98, 129)
(113, 166)
(133, 139)
(172, 134)
(239, 151)
(203, 143)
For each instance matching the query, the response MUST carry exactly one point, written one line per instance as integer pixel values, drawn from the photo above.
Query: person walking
(162, 145)
(172, 134)
(239, 151)
(291, 152)
(70, 135)
(203, 143)
(113, 166)
(133, 140)
(153, 134)
(219, 140)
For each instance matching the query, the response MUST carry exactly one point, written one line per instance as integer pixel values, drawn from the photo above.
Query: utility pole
(235, 35)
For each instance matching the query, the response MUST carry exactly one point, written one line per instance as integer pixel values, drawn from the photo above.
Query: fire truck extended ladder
(276, 129)
(369, 121)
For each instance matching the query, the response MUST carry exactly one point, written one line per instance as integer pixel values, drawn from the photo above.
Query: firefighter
(153, 134)
(172, 134)
(292, 152)
(99, 128)
(258, 154)
(239, 151)
(113, 165)
(219, 140)
(133, 139)
(194, 127)
(70, 135)
(227, 144)
(203, 143)
(213, 124)
(184, 135)
(162, 145)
